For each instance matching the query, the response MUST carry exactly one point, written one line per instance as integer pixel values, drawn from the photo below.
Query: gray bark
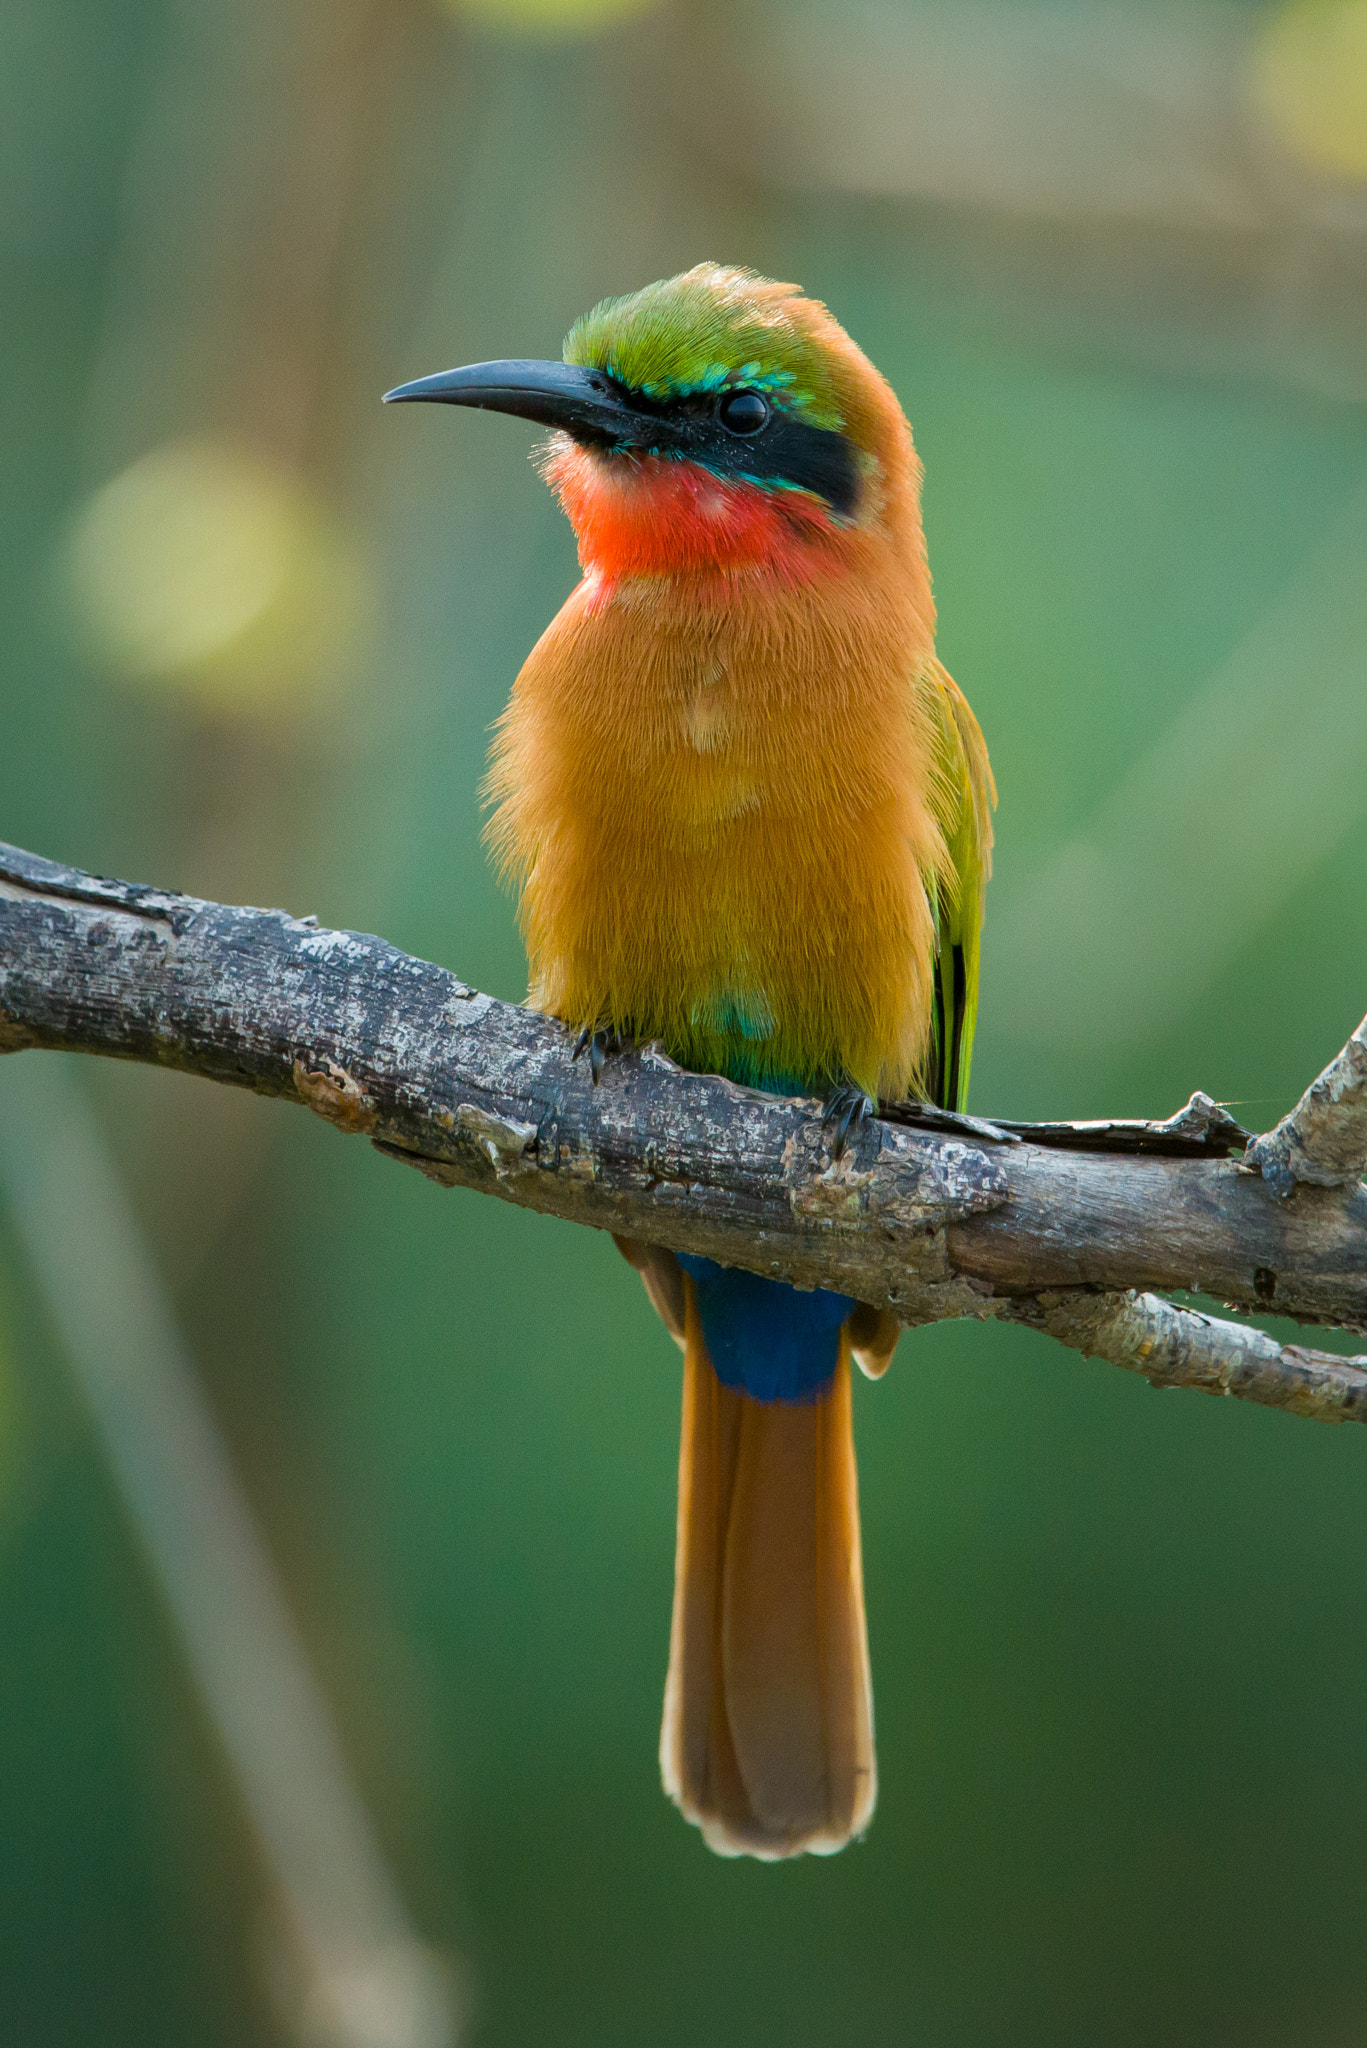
(1323, 1142)
(926, 1215)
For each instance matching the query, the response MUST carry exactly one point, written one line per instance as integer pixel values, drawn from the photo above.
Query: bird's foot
(598, 1044)
(846, 1109)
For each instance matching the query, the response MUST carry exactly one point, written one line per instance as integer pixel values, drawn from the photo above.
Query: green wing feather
(964, 797)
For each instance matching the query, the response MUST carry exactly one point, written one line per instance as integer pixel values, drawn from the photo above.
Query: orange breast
(714, 792)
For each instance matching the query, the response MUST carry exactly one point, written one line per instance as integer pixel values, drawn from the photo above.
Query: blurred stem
(365, 1980)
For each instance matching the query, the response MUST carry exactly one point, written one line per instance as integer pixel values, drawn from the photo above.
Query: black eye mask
(740, 433)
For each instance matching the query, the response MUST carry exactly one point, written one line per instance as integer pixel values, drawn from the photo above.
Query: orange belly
(716, 797)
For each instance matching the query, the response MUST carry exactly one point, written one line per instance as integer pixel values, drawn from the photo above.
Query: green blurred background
(254, 632)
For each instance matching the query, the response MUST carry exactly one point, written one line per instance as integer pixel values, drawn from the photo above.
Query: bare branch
(1323, 1142)
(929, 1222)
(1180, 1347)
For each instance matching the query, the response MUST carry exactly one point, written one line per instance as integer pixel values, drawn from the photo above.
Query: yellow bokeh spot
(552, 17)
(1309, 83)
(205, 569)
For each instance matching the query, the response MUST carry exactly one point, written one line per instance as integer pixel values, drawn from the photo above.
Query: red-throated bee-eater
(749, 816)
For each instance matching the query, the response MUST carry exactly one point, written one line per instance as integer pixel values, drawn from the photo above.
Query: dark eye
(743, 412)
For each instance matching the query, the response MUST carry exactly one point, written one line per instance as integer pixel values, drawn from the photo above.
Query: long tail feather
(767, 1741)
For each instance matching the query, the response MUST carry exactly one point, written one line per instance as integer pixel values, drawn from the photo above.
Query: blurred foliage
(1118, 1650)
(1311, 82)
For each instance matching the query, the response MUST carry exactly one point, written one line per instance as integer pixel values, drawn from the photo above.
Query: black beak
(585, 403)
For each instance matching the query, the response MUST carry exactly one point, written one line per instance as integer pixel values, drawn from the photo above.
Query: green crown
(710, 329)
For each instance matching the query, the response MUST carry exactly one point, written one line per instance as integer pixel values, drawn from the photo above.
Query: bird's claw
(597, 1044)
(846, 1109)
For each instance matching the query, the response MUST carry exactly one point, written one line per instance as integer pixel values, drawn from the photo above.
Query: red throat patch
(646, 516)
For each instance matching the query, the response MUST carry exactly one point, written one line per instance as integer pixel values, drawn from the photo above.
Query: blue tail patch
(766, 1339)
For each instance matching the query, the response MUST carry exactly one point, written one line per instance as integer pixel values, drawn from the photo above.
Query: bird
(747, 814)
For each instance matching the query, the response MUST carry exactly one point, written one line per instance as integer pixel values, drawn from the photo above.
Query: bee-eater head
(711, 421)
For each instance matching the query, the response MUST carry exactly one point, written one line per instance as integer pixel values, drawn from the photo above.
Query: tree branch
(1180, 1347)
(927, 1215)
(1323, 1142)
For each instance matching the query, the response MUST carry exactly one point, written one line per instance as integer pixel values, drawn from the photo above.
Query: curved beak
(585, 403)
